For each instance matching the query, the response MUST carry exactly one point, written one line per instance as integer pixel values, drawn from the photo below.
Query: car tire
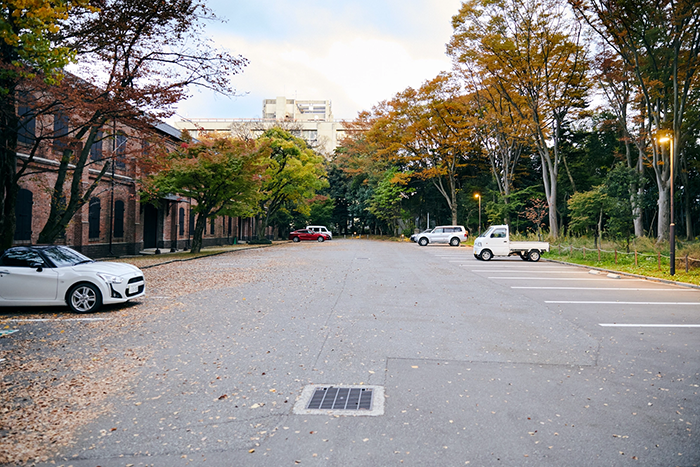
(423, 241)
(486, 255)
(295, 239)
(524, 256)
(320, 239)
(454, 241)
(534, 256)
(84, 298)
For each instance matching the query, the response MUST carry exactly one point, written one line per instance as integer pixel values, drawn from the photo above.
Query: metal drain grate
(350, 400)
(332, 398)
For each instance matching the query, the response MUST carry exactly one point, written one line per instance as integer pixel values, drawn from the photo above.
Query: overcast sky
(355, 53)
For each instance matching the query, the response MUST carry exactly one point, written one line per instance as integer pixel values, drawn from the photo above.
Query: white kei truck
(496, 242)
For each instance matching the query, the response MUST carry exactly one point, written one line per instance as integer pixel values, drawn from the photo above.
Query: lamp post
(664, 137)
(478, 196)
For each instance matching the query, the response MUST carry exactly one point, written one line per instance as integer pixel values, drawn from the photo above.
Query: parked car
(306, 234)
(414, 237)
(452, 234)
(496, 242)
(58, 275)
(320, 229)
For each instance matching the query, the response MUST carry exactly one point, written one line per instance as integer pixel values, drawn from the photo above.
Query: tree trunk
(199, 227)
(8, 165)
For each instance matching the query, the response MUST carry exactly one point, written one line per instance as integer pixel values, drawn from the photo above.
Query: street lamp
(478, 196)
(667, 136)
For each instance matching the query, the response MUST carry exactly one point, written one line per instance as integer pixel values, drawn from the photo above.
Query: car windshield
(487, 233)
(63, 256)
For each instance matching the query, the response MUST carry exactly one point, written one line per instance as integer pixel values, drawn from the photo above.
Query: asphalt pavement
(477, 363)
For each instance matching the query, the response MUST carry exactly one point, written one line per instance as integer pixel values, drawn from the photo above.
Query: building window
(26, 131)
(211, 227)
(60, 130)
(96, 148)
(118, 219)
(181, 222)
(23, 212)
(121, 150)
(191, 222)
(94, 218)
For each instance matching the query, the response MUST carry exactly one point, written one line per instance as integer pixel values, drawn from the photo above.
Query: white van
(320, 229)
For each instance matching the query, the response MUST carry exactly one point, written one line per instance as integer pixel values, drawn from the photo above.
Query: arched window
(94, 218)
(121, 150)
(211, 227)
(23, 211)
(96, 148)
(26, 132)
(118, 219)
(181, 221)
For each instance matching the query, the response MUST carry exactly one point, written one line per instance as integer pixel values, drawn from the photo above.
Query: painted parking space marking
(534, 271)
(34, 320)
(564, 279)
(635, 289)
(616, 325)
(584, 302)
(5, 332)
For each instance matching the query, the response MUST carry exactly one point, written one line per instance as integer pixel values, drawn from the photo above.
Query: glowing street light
(478, 196)
(663, 137)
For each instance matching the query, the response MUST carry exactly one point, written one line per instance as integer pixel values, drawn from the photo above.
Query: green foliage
(620, 201)
(293, 176)
(222, 175)
(586, 209)
(385, 202)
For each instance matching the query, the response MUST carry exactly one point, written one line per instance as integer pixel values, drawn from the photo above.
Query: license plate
(133, 289)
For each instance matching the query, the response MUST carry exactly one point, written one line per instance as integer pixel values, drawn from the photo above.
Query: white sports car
(58, 275)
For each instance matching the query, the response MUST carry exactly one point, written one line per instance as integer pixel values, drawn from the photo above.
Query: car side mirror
(38, 265)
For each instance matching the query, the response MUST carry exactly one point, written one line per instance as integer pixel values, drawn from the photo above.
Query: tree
(660, 43)
(26, 49)
(622, 201)
(293, 175)
(530, 51)
(385, 203)
(427, 133)
(586, 209)
(222, 175)
(149, 53)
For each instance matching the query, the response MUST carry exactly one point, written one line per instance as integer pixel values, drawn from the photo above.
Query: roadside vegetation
(645, 257)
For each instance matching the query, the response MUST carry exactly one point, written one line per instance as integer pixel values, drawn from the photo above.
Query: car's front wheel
(423, 241)
(320, 239)
(486, 255)
(85, 298)
(295, 239)
(454, 241)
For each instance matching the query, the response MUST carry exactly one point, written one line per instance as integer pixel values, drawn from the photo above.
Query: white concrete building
(311, 120)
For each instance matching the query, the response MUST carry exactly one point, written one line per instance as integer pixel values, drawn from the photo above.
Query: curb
(255, 247)
(630, 274)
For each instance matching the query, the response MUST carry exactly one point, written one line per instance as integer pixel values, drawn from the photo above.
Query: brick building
(115, 222)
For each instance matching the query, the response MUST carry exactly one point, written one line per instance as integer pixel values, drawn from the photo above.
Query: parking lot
(504, 362)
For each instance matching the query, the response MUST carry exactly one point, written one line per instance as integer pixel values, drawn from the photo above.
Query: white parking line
(611, 325)
(582, 302)
(636, 289)
(564, 279)
(534, 271)
(58, 319)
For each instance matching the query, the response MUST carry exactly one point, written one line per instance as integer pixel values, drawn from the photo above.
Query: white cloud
(354, 64)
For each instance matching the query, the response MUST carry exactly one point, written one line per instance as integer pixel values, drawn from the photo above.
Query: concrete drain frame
(346, 400)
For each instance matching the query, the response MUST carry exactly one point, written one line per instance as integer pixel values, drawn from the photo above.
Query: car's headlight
(110, 278)
(477, 243)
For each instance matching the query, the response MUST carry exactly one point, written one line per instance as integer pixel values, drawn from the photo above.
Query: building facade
(311, 120)
(114, 222)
